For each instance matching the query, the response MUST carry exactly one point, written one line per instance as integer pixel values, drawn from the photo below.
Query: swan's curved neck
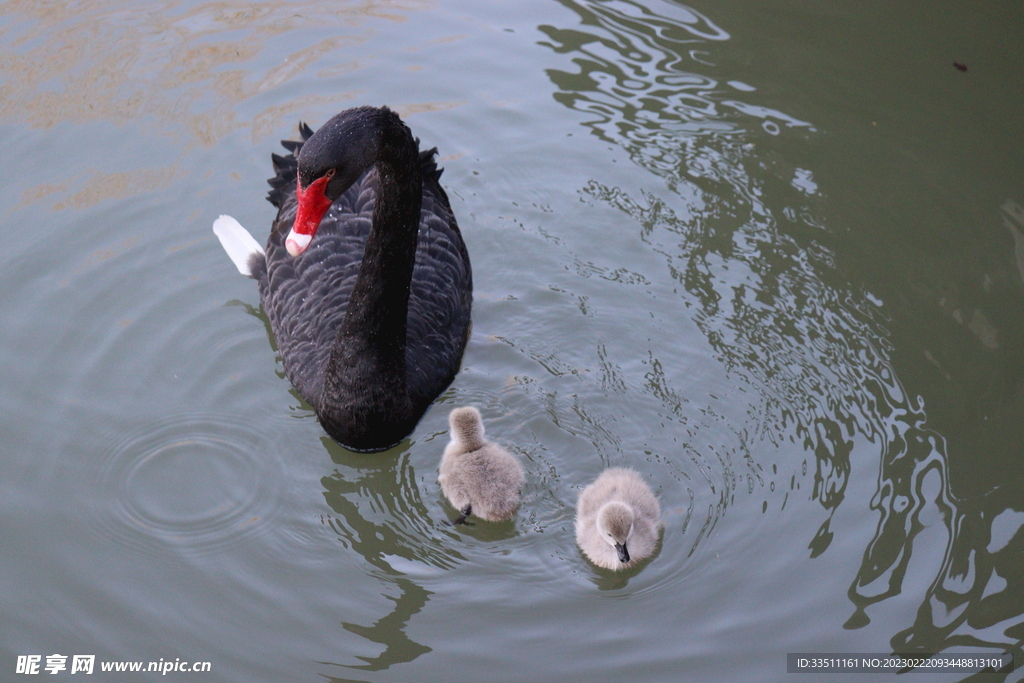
(380, 297)
(367, 361)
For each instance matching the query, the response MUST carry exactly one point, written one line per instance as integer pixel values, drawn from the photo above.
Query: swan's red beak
(313, 204)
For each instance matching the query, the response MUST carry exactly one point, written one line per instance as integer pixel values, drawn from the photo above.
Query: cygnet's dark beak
(620, 548)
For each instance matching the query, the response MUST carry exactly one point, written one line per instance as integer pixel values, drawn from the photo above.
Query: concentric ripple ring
(195, 482)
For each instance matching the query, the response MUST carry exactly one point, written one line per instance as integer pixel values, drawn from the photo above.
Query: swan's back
(306, 296)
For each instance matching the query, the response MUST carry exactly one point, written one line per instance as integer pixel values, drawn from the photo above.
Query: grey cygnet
(618, 519)
(477, 476)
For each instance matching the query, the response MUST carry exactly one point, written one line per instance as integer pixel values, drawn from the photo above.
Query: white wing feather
(237, 242)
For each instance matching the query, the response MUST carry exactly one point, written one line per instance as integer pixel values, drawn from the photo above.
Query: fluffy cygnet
(617, 519)
(478, 477)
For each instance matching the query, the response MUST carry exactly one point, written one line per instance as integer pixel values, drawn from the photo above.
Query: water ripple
(743, 234)
(195, 483)
(636, 82)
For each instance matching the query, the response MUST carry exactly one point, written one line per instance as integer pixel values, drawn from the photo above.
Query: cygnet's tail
(237, 241)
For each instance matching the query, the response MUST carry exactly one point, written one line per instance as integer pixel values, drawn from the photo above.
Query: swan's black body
(372, 318)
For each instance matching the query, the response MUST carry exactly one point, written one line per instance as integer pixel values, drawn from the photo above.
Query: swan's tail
(237, 241)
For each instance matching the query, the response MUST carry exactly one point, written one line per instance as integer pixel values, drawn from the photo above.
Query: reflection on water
(734, 239)
(100, 61)
(380, 515)
(390, 630)
(382, 512)
(636, 82)
(744, 233)
(977, 596)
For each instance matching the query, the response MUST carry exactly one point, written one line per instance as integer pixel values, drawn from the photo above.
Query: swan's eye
(330, 173)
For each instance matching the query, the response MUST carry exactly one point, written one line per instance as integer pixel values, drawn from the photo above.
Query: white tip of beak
(296, 243)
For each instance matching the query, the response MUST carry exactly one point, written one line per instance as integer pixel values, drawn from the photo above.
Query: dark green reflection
(390, 631)
(380, 514)
(812, 317)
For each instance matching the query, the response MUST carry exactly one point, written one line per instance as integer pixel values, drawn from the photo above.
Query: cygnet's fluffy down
(618, 519)
(478, 477)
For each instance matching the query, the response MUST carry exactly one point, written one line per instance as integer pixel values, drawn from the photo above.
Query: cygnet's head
(466, 427)
(615, 524)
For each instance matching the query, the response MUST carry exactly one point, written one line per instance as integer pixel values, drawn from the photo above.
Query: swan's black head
(334, 158)
(349, 143)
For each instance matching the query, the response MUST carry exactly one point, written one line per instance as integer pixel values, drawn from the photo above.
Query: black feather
(306, 297)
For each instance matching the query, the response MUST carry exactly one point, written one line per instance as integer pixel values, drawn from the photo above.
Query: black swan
(365, 279)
